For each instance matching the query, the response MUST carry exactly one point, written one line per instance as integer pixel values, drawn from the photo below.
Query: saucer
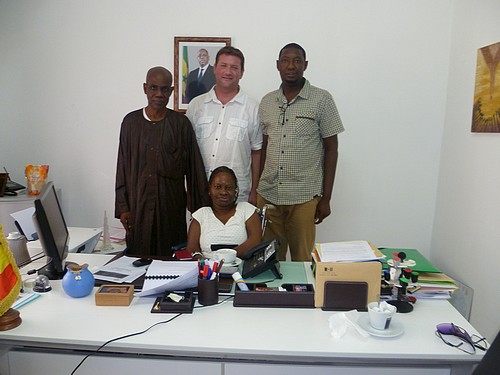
(236, 263)
(396, 328)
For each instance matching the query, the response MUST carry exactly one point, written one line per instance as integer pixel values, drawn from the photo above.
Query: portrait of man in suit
(194, 59)
(201, 79)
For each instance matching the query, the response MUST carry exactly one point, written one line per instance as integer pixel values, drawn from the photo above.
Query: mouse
(141, 262)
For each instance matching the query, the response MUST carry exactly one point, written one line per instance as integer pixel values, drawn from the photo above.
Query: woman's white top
(214, 232)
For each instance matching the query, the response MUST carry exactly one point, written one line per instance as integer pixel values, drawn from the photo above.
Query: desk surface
(56, 320)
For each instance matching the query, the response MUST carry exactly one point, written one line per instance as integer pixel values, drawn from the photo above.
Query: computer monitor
(52, 232)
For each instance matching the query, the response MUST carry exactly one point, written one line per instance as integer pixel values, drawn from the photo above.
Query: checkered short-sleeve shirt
(293, 171)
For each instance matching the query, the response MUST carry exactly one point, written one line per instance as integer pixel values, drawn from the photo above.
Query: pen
(205, 270)
(220, 266)
(200, 269)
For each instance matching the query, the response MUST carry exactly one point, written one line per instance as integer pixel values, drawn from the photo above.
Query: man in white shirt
(226, 123)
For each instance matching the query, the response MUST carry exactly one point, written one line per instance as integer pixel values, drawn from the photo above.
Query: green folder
(422, 263)
(293, 273)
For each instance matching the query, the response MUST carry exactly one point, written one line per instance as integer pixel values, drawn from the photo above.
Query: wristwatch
(196, 253)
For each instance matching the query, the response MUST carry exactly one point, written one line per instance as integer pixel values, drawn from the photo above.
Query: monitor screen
(52, 231)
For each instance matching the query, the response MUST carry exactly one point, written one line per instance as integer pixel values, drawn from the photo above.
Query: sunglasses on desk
(459, 338)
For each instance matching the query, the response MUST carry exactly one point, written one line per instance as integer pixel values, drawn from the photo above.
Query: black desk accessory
(42, 284)
(142, 262)
(402, 302)
(7, 186)
(345, 296)
(167, 304)
(260, 258)
(290, 295)
(215, 247)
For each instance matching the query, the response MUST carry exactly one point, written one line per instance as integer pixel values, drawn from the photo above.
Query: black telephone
(260, 258)
(11, 187)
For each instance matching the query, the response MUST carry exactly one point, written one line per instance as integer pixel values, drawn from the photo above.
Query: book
(163, 276)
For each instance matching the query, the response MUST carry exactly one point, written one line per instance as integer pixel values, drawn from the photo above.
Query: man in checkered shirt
(300, 123)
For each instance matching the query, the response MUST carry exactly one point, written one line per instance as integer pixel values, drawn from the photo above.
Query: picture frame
(486, 109)
(187, 59)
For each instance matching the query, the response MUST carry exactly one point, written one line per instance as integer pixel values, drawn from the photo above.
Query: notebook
(169, 275)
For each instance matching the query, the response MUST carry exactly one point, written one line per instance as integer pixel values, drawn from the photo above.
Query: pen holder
(208, 291)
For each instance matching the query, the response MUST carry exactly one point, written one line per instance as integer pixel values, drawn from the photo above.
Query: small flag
(10, 278)
(185, 72)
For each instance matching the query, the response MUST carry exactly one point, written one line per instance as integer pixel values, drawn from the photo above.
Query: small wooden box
(114, 295)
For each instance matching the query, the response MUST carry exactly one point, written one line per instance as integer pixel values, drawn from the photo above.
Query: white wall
(70, 71)
(466, 235)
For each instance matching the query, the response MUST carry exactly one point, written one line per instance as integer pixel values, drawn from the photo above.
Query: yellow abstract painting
(486, 114)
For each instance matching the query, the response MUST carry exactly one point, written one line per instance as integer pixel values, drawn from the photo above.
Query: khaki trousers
(293, 225)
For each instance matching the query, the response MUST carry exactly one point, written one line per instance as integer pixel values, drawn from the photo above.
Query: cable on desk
(123, 337)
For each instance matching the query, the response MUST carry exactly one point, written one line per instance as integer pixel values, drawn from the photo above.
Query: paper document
(23, 298)
(25, 220)
(120, 270)
(169, 275)
(348, 251)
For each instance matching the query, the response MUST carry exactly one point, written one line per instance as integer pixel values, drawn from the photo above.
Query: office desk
(58, 330)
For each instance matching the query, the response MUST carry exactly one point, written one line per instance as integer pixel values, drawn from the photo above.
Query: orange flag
(10, 278)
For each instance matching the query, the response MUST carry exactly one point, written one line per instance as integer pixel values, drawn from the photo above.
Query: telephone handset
(260, 258)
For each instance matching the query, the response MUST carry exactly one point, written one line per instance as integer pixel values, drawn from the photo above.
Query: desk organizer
(165, 304)
(114, 295)
(260, 295)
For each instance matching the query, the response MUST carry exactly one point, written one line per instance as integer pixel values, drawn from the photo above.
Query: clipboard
(369, 272)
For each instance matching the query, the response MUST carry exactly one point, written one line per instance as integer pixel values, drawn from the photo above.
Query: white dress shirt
(227, 134)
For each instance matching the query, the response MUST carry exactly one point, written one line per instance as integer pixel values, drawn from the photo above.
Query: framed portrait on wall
(486, 110)
(194, 58)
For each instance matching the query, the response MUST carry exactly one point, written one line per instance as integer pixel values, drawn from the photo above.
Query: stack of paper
(120, 270)
(435, 285)
(347, 251)
(432, 283)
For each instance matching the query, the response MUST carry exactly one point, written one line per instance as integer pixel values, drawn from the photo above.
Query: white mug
(381, 314)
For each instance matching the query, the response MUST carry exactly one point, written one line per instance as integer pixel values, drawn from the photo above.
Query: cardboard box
(114, 295)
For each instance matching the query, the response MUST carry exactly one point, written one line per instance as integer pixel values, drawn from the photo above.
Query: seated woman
(225, 221)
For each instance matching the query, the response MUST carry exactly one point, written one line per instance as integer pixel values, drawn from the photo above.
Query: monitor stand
(50, 271)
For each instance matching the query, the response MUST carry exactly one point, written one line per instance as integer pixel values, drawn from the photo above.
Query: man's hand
(322, 210)
(125, 220)
(252, 198)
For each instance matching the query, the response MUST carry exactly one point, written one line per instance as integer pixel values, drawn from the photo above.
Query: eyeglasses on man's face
(459, 338)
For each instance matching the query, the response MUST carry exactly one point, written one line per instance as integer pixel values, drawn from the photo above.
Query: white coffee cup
(381, 314)
(229, 255)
